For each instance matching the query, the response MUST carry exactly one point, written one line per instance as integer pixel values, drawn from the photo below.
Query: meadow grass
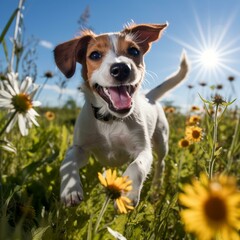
(30, 206)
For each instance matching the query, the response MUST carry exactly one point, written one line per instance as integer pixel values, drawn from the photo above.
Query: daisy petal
(5, 94)
(10, 89)
(22, 125)
(33, 112)
(26, 84)
(13, 81)
(5, 103)
(32, 119)
(116, 234)
(12, 123)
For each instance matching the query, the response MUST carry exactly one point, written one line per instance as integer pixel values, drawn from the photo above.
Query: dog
(118, 123)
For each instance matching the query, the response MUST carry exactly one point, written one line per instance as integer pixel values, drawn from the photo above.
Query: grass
(30, 206)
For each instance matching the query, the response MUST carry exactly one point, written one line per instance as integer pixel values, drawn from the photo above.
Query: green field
(30, 206)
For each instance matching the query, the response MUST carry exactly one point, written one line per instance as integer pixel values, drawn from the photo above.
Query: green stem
(40, 90)
(89, 234)
(180, 168)
(20, 5)
(233, 143)
(212, 159)
(8, 122)
(104, 208)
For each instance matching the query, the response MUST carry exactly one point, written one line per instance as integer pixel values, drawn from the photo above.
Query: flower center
(195, 134)
(22, 102)
(215, 209)
(185, 143)
(113, 192)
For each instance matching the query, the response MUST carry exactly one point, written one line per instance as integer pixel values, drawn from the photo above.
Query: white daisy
(18, 100)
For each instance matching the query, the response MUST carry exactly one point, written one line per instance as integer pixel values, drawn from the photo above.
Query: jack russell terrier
(117, 123)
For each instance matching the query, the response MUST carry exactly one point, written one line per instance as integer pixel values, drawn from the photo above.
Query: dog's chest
(115, 144)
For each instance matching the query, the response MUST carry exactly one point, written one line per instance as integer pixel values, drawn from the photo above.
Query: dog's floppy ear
(145, 34)
(68, 53)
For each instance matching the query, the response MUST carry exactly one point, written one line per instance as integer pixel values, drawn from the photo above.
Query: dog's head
(112, 64)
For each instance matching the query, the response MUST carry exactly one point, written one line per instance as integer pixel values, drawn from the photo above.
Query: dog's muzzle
(120, 71)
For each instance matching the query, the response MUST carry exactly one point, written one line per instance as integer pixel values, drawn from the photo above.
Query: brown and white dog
(117, 123)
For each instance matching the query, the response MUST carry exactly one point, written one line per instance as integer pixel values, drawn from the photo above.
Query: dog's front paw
(71, 195)
(72, 199)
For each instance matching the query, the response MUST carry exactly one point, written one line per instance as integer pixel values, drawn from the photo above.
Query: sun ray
(184, 44)
(200, 30)
(225, 29)
(234, 71)
(230, 51)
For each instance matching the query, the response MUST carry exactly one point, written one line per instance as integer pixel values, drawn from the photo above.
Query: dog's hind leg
(71, 187)
(160, 143)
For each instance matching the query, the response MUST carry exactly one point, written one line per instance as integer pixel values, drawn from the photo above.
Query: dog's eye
(133, 51)
(95, 55)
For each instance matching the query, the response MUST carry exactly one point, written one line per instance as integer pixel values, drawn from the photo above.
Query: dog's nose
(120, 71)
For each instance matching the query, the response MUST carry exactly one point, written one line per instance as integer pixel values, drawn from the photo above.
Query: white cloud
(46, 44)
(57, 89)
(51, 95)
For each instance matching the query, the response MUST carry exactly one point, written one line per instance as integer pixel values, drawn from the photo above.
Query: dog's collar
(101, 117)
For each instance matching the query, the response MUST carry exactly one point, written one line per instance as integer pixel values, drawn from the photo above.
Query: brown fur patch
(100, 44)
(124, 43)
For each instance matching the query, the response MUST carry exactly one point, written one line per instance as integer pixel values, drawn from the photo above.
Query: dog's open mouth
(119, 98)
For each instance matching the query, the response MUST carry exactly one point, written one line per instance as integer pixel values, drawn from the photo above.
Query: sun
(210, 58)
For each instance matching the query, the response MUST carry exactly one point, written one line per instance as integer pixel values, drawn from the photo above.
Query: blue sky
(195, 26)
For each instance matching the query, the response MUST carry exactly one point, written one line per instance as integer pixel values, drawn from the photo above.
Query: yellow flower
(50, 115)
(193, 133)
(183, 143)
(212, 208)
(115, 187)
(169, 109)
(195, 108)
(194, 119)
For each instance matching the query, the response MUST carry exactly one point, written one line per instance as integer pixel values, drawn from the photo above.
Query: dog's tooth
(106, 90)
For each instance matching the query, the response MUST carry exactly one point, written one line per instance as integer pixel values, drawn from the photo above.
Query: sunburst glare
(212, 52)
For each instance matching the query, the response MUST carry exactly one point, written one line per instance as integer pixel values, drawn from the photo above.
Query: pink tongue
(120, 97)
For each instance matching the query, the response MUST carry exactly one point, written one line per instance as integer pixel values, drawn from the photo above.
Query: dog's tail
(171, 82)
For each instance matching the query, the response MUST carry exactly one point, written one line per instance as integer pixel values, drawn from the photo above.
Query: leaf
(64, 142)
(8, 24)
(6, 204)
(32, 167)
(90, 228)
(116, 234)
(218, 152)
(205, 101)
(229, 103)
(39, 232)
(5, 50)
